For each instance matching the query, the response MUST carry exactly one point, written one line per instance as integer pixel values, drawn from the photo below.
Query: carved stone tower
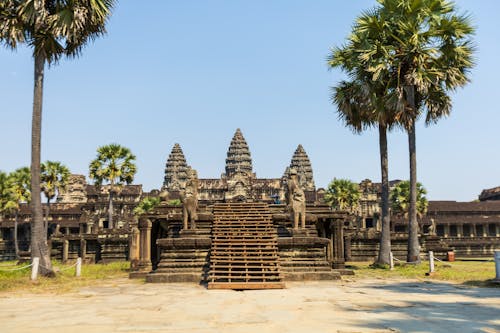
(238, 156)
(175, 170)
(300, 162)
(239, 176)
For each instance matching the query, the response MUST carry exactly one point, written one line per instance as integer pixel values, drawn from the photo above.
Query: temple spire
(238, 155)
(175, 170)
(301, 163)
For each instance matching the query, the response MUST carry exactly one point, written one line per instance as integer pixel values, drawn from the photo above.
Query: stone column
(347, 249)
(460, 230)
(145, 245)
(337, 226)
(447, 230)
(134, 248)
(473, 230)
(83, 249)
(65, 250)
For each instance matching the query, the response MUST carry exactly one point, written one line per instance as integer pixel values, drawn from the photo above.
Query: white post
(78, 270)
(34, 268)
(391, 261)
(497, 264)
(431, 262)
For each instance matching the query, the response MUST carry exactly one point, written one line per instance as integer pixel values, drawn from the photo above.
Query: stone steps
(244, 252)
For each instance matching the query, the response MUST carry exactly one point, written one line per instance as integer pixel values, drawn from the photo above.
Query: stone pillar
(65, 250)
(347, 249)
(134, 248)
(145, 245)
(460, 230)
(83, 249)
(337, 227)
(446, 230)
(473, 230)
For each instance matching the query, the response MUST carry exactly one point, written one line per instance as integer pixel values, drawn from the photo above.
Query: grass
(65, 280)
(475, 273)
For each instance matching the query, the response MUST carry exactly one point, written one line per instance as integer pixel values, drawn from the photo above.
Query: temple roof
(238, 155)
(175, 169)
(301, 163)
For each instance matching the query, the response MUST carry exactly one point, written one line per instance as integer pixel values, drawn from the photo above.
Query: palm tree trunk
(47, 212)
(39, 247)
(413, 244)
(385, 236)
(110, 207)
(16, 242)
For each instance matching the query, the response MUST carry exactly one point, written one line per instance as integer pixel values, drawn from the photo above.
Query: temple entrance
(244, 251)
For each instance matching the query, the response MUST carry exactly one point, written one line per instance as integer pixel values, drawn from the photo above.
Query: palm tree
(361, 104)
(343, 194)
(146, 205)
(54, 178)
(113, 164)
(424, 50)
(53, 29)
(400, 199)
(18, 192)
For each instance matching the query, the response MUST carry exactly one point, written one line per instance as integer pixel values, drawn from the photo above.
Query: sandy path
(355, 306)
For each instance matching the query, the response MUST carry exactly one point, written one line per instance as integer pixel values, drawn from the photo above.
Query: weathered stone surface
(301, 163)
(238, 156)
(176, 170)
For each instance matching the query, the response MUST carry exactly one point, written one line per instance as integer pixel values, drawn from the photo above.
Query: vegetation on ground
(65, 279)
(473, 273)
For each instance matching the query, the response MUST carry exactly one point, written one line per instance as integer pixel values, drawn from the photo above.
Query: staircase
(244, 252)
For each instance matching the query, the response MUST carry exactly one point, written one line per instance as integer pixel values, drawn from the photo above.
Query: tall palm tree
(431, 54)
(343, 194)
(53, 29)
(361, 104)
(54, 178)
(424, 49)
(114, 164)
(400, 199)
(19, 192)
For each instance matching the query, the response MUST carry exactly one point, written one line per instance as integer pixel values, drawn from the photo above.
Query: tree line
(113, 165)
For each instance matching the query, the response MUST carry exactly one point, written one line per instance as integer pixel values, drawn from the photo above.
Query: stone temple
(240, 231)
(238, 182)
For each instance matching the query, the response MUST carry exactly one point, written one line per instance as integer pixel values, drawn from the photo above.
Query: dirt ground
(336, 306)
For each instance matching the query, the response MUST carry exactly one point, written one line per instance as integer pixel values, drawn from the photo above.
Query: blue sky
(193, 71)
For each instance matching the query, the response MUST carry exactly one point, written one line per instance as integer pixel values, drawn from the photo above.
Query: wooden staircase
(244, 252)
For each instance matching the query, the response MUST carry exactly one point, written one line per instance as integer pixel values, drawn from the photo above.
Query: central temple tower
(239, 175)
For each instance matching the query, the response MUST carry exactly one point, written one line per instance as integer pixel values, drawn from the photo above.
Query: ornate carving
(238, 156)
(189, 198)
(75, 190)
(296, 200)
(301, 164)
(176, 170)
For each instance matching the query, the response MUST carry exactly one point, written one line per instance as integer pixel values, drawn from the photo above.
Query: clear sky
(193, 71)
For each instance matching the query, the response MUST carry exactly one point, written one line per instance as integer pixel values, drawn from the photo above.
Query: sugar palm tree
(343, 194)
(54, 178)
(17, 191)
(114, 164)
(361, 104)
(400, 199)
(53, 29)
(424, 48)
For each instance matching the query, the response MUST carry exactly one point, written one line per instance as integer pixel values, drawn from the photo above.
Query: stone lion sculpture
(296, 200)
(189, 199)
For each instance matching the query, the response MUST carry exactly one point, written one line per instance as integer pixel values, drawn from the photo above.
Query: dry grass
(65, 279)
(477, 273)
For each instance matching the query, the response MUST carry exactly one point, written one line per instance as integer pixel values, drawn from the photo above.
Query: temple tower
(238, 156)
(301, 163)
(175, 170)
(239, 177)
